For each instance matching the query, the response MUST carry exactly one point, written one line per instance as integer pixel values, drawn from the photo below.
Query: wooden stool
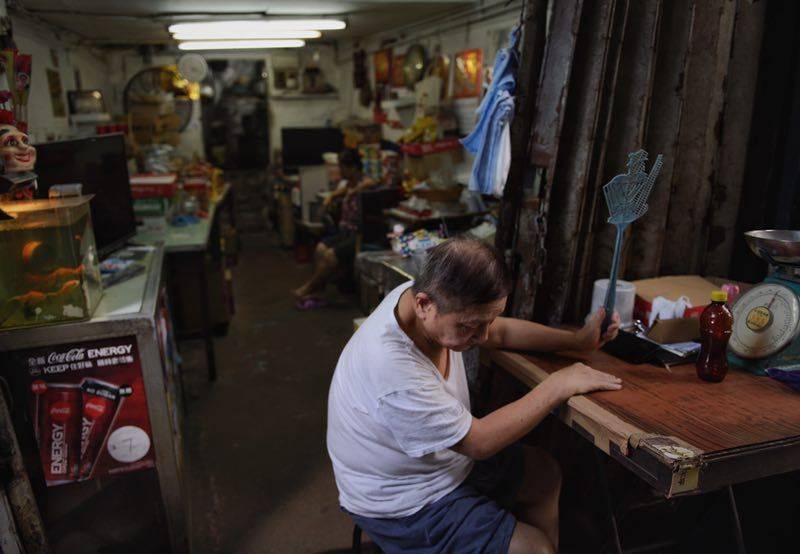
(356, 539)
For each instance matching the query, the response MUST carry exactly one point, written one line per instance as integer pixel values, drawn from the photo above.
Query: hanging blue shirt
(494, 114)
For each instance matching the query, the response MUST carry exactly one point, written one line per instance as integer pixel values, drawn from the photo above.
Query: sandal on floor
(311, 303)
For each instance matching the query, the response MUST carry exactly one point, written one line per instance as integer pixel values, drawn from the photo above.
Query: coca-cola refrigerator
(97, 409)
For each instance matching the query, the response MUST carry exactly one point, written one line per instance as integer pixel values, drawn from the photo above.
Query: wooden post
(583, 273)
(626, 127)
(533, 41)
(735, 132)
(545, 135)
(698, 138)
(662, 134)
(18, 488)
(577, 159)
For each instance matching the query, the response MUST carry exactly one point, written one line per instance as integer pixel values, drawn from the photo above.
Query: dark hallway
(258, 471)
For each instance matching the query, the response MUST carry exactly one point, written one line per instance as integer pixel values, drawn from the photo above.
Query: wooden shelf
(300, 96)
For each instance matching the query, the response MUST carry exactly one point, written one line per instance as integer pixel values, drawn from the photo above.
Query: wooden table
(191, 251)
(679, 434)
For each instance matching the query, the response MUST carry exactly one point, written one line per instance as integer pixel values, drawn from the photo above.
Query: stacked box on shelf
(155, 124)
(198, 186)
(152, 200)
(433, 162)
(371, 160)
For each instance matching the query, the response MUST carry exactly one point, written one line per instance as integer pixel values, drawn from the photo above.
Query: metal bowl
(779, 247)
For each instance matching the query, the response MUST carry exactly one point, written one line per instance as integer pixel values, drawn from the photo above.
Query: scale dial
(765, 320)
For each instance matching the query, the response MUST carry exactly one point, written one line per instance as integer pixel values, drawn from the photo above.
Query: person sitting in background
(339, 250)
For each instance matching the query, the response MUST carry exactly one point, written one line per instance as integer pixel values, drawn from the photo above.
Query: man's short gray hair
(463, 273)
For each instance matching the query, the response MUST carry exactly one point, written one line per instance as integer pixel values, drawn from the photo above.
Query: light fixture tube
(233, 28)
(239, 44)
(245, 35)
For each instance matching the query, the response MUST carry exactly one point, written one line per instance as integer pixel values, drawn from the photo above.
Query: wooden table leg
(606, 492)
(737, 524)
(208, 335)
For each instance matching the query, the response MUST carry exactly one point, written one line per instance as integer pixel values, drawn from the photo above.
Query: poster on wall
(467, 73)
(382, 60)
(398, 75)
(56, 93)
(88, 408)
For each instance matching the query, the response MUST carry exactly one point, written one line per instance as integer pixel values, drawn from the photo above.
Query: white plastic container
(626, 294)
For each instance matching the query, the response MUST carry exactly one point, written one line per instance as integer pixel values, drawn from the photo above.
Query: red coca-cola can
(59, 423)
(100, 405)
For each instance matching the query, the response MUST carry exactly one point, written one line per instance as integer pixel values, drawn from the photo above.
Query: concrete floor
(258, 470)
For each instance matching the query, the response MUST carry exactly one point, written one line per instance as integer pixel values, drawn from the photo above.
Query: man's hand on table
(579, 378)
(589, 336)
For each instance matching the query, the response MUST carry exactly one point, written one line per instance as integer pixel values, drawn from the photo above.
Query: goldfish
(31, 299)
(54, 277)
(36, 297)
(29, 249)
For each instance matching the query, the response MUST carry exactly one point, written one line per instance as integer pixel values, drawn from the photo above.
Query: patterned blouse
(348, 223)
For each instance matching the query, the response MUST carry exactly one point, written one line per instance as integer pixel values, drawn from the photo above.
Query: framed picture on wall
(398, 76)
(382, 60)
(86, 101)
(468, 73)
(56, 93)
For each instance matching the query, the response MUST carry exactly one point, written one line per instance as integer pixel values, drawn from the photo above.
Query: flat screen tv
(101, 165)
(304, 146)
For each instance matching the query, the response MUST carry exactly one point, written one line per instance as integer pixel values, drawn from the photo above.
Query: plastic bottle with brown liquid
(716, 324)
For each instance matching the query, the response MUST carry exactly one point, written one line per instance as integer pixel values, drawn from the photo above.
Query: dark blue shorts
(475, 517)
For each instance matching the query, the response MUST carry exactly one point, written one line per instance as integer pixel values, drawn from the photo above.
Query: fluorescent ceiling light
(233, 28)
(317, 9)
(239, 44)
(244, 35)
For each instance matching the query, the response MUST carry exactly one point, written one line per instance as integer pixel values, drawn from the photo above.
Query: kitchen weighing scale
(766, 319)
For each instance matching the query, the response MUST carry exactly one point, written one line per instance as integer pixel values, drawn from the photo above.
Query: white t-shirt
(392, 418)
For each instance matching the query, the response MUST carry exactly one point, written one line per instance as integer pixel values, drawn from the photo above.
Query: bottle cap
(719, 296)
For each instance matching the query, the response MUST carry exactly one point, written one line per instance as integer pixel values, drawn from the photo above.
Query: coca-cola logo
(72, 355)
(94, 409)
(60, 411)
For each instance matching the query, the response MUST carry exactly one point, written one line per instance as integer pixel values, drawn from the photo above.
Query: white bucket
(626, 294)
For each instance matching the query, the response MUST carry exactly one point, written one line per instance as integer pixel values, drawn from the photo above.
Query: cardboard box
(152, 185)
(671, 331)
(672, 287)
(152, 224)
(152, 109)
(151, 207)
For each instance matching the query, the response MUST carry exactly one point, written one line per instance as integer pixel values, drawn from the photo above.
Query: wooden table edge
(667, 463)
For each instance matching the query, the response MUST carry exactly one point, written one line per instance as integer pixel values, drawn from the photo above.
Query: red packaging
(84, 418)
(101, 402)
(154, 185)
(59, 426)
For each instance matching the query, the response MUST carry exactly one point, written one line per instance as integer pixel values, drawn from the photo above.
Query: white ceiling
(145, 21)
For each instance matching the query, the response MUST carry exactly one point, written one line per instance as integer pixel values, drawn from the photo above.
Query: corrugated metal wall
(684, 78)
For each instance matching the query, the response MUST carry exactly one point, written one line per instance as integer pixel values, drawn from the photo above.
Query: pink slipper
(311, 303)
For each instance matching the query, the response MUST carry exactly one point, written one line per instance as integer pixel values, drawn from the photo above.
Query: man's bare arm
(518, 334)
(490, 434)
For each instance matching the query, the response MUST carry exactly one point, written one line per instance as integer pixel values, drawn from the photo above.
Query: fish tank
(50, 271)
